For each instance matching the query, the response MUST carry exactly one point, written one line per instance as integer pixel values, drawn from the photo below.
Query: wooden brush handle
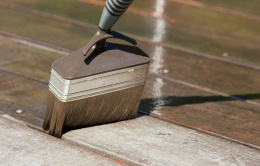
(112, 11)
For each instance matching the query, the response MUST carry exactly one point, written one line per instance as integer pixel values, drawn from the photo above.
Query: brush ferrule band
(69, 90)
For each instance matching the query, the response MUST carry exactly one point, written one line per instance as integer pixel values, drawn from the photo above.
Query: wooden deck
(205, 70)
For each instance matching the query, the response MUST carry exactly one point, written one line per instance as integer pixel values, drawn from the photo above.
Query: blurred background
(205, 69)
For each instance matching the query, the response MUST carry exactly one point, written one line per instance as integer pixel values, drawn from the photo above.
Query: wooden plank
(46, 30)
(208, 111)
(220, 76)
(17, 92)
(25, 58)
(21, 145)
(154, 142)
(241, 5)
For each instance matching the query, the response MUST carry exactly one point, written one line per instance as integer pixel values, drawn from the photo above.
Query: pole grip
(112, 11)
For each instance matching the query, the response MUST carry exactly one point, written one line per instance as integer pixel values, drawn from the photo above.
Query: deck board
(25, 94)
(251, 8)
(154, 142)
(21, 145)
(189, 106)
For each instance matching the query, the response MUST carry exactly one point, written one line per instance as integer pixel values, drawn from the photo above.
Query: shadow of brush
(152, 104)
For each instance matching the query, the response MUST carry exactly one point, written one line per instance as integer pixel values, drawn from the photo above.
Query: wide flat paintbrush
(99, 83)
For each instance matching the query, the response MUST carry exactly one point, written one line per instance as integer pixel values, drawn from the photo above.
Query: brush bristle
(105, 108)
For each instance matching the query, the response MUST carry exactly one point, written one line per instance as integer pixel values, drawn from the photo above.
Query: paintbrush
(99, 83)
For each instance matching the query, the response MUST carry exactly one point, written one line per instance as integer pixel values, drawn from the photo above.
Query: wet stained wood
(241, 5)
(197, 108)
(17, 92)
(198, 29)
(216, 75)
(175, 11)
(44, 29)
(26, 59)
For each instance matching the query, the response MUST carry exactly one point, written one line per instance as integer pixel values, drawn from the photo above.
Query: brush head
(99, 83)
(104, 87)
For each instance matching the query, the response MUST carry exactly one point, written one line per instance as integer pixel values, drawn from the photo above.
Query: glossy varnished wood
(183, 25)
(197, 108)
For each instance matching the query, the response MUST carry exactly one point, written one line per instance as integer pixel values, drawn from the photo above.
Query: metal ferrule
(70, 90)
